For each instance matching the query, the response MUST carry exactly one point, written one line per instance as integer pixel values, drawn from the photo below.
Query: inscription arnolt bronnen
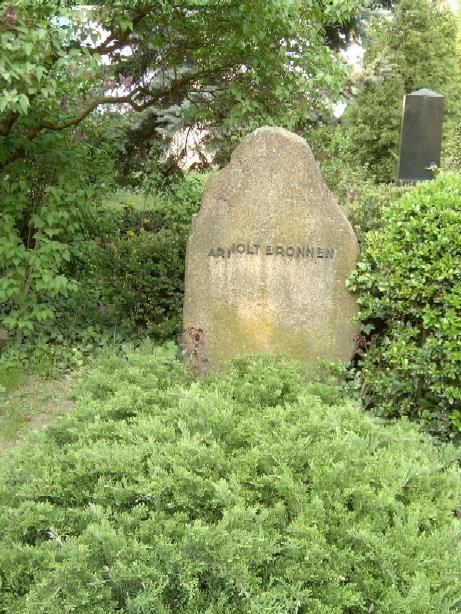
(254, 249)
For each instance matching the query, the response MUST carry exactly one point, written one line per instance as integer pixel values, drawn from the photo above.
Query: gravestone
(268, 255)
(421, 136)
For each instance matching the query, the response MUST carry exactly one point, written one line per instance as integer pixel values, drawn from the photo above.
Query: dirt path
(33, 406)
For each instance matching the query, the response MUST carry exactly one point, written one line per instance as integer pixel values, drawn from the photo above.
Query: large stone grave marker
(268, 255)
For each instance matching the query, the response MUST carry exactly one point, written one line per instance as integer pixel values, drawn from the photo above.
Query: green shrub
(329, 145)
(174, 208)
(49, 209)
(453, 151)
(76, 324)
(142, 272)
(161, 495)
(143, 281)
(366, 208)
(353, 185)
(167, 207)
(410, 283)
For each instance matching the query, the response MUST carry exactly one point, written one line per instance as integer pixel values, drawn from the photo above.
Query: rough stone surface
(292, 301)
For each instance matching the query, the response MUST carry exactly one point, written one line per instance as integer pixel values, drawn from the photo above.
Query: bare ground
(33, 406)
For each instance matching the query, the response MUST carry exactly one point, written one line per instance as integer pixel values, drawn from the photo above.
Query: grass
(10, 377)
(118, 199)
(28, 402)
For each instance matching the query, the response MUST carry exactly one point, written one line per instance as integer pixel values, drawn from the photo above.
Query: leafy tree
(232, 69)
(237, 63)
(419, 38)
(227, 58)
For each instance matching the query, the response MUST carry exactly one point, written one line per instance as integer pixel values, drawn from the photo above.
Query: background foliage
(365, 212)
(143, 281)
(71, 79)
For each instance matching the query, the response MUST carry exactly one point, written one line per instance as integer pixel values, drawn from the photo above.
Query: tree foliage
(233, 66)
(227, 58)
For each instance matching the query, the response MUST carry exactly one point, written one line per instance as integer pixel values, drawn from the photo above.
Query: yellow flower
(169, 212)
(146, 221)
(7, 402)
(129, 203)
(130, 233)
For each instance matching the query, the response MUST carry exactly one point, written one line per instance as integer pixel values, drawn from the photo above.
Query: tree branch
(11, 119)
(8, 123)
(152, 98)
(102, 49)
(122, 39)
(32, 134)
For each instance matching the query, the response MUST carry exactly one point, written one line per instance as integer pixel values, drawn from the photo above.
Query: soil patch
(33, 406)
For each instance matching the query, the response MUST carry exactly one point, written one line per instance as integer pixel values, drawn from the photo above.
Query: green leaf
(28, 48)
(24, 103)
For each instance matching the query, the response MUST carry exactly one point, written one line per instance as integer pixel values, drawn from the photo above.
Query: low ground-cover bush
(248, 491)
(410, 284)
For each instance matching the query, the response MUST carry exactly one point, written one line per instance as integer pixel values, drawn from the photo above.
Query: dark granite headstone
(421, 136)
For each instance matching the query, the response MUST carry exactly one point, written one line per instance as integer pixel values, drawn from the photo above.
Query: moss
(255, 334)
